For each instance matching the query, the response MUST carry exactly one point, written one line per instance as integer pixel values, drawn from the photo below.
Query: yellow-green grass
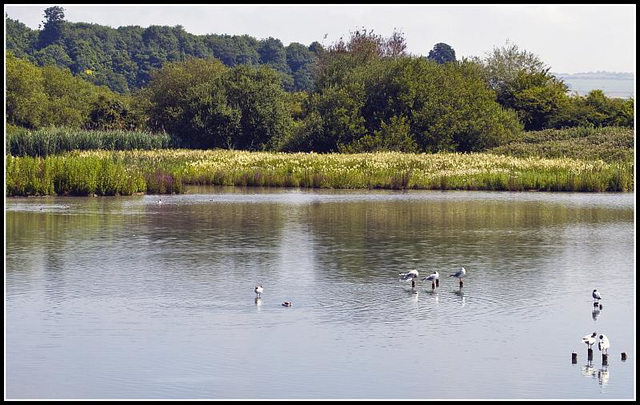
(167, 171)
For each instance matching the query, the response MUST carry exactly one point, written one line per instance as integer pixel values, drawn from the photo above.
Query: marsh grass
(167, 171)
(52, 141)
(610, 144)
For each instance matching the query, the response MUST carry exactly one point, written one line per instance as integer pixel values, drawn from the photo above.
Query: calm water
(610, 87)
(121, 297)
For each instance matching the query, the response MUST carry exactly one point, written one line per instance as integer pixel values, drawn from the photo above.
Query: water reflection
(167, 278)
(590, 371)
(595, 313)
(460, 293)
(603, 375)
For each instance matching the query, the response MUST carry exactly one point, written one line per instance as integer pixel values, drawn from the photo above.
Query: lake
(615, 88)
(126, 298)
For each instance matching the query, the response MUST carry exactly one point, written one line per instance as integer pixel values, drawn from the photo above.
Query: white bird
(160, 201)
(432, 277)
(603, 344)
(596, 295)
(410, 275)
(590, 340)
(258, 290)
(459, 274)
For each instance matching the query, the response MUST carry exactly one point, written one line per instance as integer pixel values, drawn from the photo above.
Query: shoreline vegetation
(577, 159)
(153, 110)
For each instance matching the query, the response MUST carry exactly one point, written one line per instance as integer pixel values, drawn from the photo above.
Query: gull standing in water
(603, 344)
(433, 277)
(258, 290)
(459, 274)
(412, 275)
(590, 340)
(596, 296)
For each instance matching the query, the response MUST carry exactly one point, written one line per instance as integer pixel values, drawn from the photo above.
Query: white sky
(568, 38)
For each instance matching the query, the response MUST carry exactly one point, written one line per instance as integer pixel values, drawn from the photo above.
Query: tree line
(366, 94)
(123, 58)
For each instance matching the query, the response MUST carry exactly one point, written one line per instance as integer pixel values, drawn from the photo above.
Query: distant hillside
(123, 58)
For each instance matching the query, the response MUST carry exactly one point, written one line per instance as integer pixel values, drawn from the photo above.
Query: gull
(603, 344)
(287, 304)
(590, 340)
(596, 296)
(459, 274)
(258, 290)
(160, 201)
(410, 275)
(433, 277)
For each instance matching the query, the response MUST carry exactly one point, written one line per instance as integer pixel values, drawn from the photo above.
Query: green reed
(52, 141)
(168, 171)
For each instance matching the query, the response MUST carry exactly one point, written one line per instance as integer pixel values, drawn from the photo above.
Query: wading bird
(258, 290)
(603, 344)
(410, 275)
(590, 340)
(459, 274)
(433, 277)
(596, 296)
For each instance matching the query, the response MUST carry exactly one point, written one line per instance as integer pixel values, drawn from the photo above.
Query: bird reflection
(595, 313)
(603, 376)
(588, 370)
(258, 301)
(460, 293)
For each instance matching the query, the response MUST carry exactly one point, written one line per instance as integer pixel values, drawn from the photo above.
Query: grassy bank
(167, 171)
(610, 144)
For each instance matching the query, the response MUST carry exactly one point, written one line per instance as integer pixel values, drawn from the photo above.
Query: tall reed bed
(167, 171)
(52, 141)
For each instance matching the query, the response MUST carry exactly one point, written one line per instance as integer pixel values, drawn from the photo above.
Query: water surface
(125, 298)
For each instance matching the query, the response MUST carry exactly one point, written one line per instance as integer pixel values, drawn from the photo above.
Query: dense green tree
(51, 96)
(53, 26)
(53, 54)
(207, 105)
(19, 39)
(503, 65)
(372, 101)
(25, 98)
(258, 96)
(537, 97)
(129, 54)
(442, 53)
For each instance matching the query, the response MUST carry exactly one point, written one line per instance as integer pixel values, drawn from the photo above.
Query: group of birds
(590, 340)
(433, 277)
(603, 342)
(411, 275)
(259, 289)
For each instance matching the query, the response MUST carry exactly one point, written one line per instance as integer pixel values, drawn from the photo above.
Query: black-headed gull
(459, 274)
(596, 295)
(590, 340)
(410, 275)
(258, 290)
(433, 277)
(603, 344)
